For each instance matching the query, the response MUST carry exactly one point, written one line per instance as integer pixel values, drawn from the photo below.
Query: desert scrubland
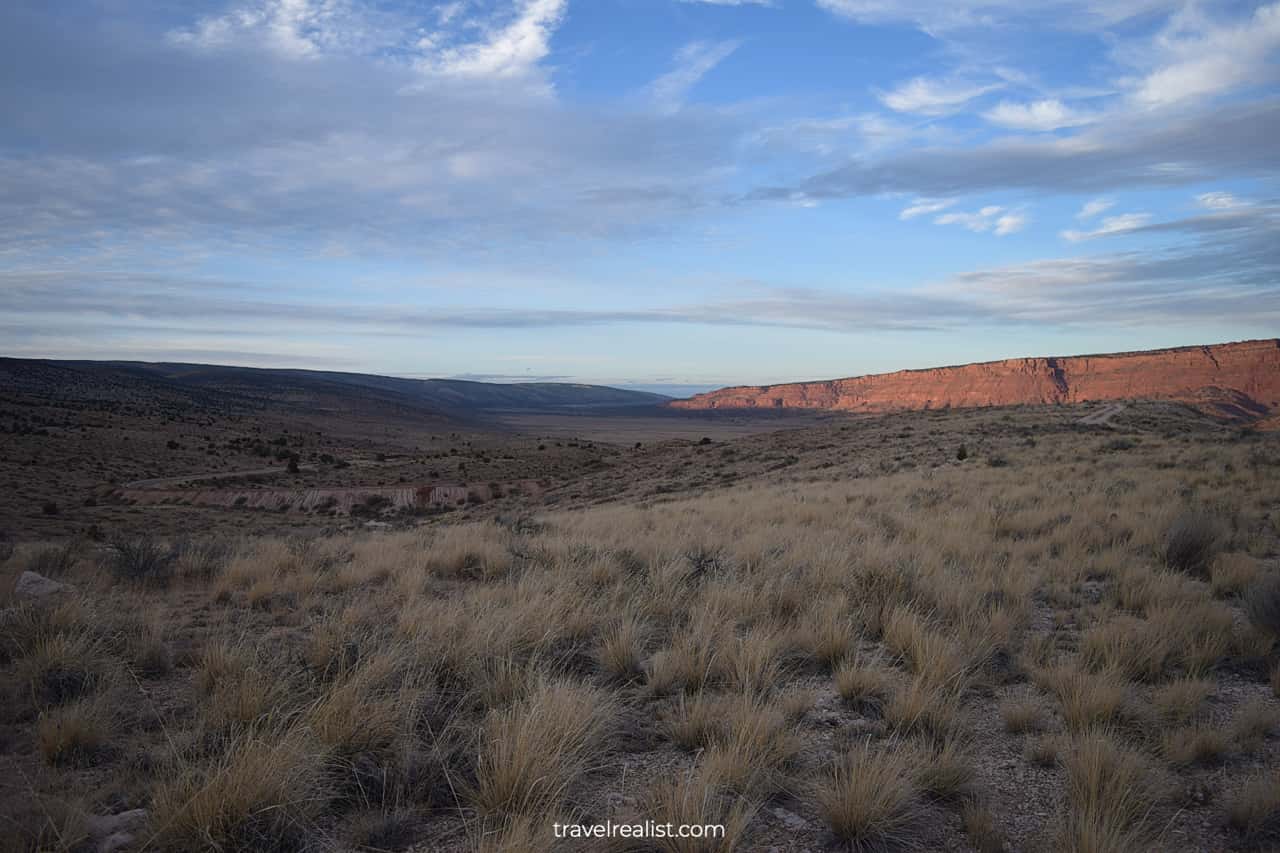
(1062, 641)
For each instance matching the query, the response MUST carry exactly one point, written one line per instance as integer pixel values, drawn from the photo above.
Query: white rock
(791, 820)
(33, 586)
(107, 826)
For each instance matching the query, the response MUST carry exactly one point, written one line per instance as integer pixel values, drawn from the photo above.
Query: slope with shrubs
(1060, 652)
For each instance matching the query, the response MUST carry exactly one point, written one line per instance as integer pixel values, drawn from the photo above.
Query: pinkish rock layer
(1238, 379)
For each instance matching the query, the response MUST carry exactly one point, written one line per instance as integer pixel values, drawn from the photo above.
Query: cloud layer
(171, 181)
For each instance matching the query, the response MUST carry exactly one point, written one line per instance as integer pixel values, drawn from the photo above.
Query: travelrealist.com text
(644, 829)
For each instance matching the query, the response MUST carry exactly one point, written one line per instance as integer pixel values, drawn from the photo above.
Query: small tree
(963, 453)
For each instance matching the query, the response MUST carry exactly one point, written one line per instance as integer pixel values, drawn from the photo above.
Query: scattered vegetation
(837, 655)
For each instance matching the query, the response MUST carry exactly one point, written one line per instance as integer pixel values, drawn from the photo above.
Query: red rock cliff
(1242, 378)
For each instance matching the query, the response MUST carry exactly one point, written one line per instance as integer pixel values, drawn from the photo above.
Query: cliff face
(1239, 378)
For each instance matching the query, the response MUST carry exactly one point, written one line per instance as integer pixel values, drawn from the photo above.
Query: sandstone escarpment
(1236, 379)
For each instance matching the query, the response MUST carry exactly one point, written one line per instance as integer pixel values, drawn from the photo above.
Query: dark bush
(49, 508)
(1262, 603)
(140, 559)
(1190, 544)
(963, 453)
(54, 560)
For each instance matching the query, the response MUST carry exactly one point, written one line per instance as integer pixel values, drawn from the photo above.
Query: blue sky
(695, 192)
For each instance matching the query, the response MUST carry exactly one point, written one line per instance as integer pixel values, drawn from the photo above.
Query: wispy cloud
(941, 18)
(1093, 207)
(1233, 139)
(934, 97)
(1221, 201)
(1195, 57)
(992, 218)
(693, 62)
(506, 51)
(1039, 116)
(1180, 283)
(925, 206)
(1110, 225)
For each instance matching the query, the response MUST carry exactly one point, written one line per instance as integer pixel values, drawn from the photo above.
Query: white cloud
(1010, 223)
(1110, 225)
(925, 206)
(295, 29)
(513, 50)
(1038, 116)
(1094, 207)
(454, 44)
(936, 17)
(934, 97)
(1220, 201)
(693, 62)
(1195, 58)
(993, 218)
(448, 11)
(732, 2)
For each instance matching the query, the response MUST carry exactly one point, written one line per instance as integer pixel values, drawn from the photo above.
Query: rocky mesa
(1237, 380)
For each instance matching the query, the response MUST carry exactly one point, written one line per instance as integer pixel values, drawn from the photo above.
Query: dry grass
(1262, 603)
(694, 657)
(620, 651)
(468, 551)
(1232, 574)
(532, 752)
(1021, 716)
(1089, 699)
(78, 733)
(694, 798)
(1191, 544)
(870, 799)
(1253, 723)
(1113, 795)
(1254, 809)
(696, 721)
(947, 772)
(921, 707)
(865, 684)
(752, 752)
(261, 794)
(981, 829)
(1196, 744)
(1042, 751)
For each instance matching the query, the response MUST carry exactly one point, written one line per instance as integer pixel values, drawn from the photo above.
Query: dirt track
(340, 500)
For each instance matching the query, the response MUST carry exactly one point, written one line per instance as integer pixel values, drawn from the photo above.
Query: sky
(682, 193)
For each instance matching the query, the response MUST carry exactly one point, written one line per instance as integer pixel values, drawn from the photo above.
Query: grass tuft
(870, 799)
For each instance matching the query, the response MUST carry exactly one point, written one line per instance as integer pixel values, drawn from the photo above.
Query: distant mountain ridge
(249, 388)
(1237, 380)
